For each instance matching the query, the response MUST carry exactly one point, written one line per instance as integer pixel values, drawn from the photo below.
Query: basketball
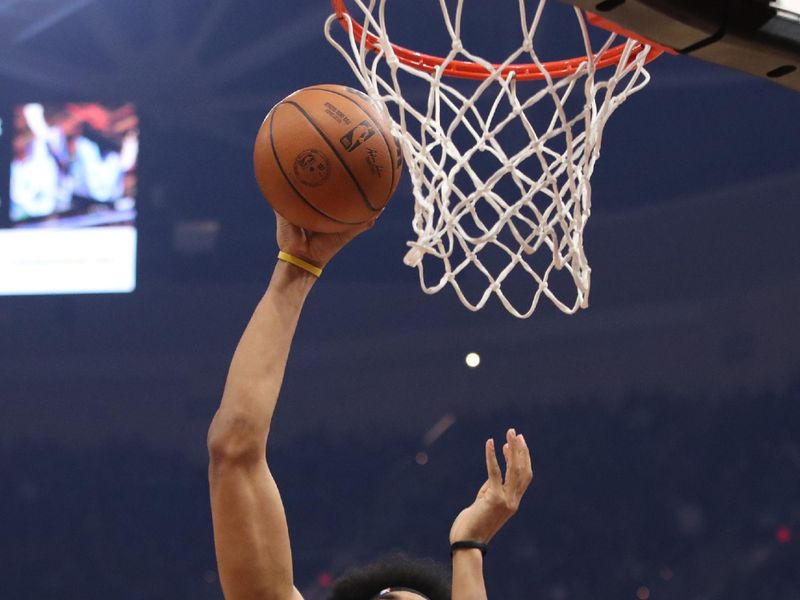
(326, 160)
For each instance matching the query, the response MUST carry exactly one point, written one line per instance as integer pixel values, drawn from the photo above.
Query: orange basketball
(326, 160)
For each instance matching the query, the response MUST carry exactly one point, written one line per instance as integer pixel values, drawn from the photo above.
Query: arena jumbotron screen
(69, 215)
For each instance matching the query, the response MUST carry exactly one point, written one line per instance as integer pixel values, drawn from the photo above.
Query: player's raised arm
(497, 501)
(250, 531)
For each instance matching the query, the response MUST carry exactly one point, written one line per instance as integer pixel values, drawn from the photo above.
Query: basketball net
(460, 216)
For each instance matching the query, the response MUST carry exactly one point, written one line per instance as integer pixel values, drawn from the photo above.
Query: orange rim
(524, 71)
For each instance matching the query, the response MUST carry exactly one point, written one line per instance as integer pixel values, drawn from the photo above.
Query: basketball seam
(291, 185)
(366, 112)
(333, 149)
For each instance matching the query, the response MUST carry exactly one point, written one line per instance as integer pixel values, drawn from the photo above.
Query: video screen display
(70, 212)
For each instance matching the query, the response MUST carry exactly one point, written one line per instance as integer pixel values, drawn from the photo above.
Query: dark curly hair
(398, 570)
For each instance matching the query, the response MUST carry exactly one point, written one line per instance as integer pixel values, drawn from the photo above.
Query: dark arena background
(664, 421)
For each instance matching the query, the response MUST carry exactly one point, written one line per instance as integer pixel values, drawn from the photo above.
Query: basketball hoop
(462, 214)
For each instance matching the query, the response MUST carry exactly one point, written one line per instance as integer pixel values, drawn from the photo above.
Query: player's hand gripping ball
(326, 160)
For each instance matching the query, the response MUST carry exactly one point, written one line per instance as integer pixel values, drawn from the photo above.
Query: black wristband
(469, 545)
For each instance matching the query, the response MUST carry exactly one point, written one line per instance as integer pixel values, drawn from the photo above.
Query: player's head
(394, 577)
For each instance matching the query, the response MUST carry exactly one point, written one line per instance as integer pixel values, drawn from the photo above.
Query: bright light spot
(473, 359)
(422, 458)
(643, 593)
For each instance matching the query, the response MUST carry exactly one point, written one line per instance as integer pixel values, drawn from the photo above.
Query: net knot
(413, 257)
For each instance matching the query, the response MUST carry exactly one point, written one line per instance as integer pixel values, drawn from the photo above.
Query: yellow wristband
(299, 262)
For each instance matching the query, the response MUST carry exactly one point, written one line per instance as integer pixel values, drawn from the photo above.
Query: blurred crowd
(651, 497)
(73, 159)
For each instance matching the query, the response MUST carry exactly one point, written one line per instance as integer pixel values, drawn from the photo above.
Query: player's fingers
(523, 467)
(525, 454)
(368, 225)
(510, 455)
(492, 467)
(517, 468)
(512, 439)
(349, 234)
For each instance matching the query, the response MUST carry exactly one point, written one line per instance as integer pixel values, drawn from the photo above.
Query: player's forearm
(256, 372)
(468, 581)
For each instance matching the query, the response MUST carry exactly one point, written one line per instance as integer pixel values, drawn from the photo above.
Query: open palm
(497, 499)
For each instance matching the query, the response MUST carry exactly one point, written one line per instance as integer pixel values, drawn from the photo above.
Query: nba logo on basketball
(357, 135)
(322, 169)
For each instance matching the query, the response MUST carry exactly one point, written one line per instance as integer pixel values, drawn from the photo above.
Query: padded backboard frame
(759, 37)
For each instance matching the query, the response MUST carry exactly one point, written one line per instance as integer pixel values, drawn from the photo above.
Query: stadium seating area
(651, 497)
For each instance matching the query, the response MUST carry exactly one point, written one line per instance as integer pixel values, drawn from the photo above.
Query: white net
(500, 169)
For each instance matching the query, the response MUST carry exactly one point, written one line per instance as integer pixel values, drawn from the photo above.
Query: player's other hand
(316, 248)
(498, 498)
